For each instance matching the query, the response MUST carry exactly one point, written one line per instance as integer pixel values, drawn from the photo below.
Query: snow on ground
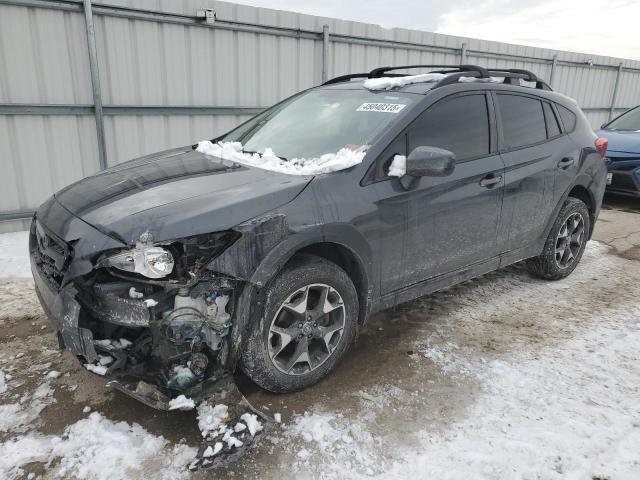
(97, 448)
(14, 255)
(507, 377)
(569, 409)
(329, 162)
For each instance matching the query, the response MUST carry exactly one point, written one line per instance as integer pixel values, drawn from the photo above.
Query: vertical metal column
(95, 83)
(325, 53)
(463, 54)
(614, 97)
(554, 65)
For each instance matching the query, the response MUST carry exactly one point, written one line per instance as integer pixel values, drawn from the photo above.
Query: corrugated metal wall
(169, 79)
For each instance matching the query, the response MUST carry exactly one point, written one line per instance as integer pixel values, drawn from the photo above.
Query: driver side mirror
(427, 162)
(430, 162)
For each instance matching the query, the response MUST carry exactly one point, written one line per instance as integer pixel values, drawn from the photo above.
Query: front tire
(565, 244)
(307, 324)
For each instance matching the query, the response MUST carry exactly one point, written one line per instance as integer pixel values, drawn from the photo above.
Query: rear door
(531, 156)
(447, 222)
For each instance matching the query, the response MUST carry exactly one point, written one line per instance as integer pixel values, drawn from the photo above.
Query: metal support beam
(325, 53)
(95, 83)
(15, 215)
(614, 96)
(554, 65)
(463, 54)
(118, 110)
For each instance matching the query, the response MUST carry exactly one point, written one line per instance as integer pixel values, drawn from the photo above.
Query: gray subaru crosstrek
(267, 248)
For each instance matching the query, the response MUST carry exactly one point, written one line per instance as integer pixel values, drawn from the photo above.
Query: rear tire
(565, 244)
(308, 323)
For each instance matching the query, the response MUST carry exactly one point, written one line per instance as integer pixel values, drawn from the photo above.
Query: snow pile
(211, 418)
(398, 166)
(97, 369)
(53, 374)
(97, 448)
(387, 83)
(14, 255)
(252, 422)
(329, 162)
(181, 403)
(121, 344)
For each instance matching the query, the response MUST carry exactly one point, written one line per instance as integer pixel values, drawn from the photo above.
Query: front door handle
(490, 180)
(565, 163)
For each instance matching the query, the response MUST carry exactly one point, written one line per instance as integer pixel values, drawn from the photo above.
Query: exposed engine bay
(158, 317)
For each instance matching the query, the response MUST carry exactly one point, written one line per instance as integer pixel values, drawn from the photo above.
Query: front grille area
(50, 254)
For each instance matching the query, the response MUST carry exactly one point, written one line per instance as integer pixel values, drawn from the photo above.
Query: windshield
(320, 122)
(627, 121)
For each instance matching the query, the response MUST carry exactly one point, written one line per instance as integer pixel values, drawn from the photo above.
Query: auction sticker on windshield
(381, 107)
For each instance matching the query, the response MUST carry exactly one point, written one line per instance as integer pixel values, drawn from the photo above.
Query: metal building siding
(174, 62)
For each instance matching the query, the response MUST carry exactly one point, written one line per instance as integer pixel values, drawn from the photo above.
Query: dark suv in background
(268, 247)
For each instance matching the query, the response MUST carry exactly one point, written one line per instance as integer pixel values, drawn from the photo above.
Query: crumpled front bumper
(64, 313)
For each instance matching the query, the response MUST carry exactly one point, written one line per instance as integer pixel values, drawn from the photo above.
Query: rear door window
(459, 124)
(522, 120)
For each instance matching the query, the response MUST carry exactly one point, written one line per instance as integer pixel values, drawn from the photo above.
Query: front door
(438, 225)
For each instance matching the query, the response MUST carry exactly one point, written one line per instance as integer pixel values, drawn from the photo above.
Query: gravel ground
(501, 377)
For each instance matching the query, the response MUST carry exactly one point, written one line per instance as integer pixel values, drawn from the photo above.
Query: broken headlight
(152, 262)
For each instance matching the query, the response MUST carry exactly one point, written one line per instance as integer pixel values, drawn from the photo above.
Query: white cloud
(604, 27)
(591, 26)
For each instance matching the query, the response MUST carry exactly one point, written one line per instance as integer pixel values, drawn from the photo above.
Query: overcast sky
(591, 26)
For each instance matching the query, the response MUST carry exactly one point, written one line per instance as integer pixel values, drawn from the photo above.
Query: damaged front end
(152, 318)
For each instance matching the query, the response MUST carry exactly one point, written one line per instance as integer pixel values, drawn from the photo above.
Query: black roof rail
(379, 72)
(527, 76)
(344, 78)
(454, 72)
(508, 74)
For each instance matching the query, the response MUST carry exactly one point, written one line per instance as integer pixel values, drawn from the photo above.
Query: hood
(176, 193)
(621, 141)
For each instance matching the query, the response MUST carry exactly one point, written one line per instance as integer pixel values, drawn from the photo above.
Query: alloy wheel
(306, 329)
(569, 240)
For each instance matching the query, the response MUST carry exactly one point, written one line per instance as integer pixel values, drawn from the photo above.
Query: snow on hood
(387, 83)
(329, 162)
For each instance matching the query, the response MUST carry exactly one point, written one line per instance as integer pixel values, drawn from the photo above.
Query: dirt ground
(417, 370)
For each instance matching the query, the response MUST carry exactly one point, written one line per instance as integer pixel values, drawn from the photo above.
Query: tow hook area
(230, 425)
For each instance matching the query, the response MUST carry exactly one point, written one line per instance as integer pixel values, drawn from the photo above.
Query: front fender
(266, 245)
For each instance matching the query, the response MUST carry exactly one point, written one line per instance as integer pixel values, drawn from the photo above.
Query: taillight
(601, 146)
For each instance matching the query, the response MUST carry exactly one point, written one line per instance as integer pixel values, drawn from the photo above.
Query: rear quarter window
(522, 120)
(568, 118)
(553, 128)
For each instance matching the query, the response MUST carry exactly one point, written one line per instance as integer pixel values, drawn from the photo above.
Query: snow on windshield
(268, 160)
(387, 83)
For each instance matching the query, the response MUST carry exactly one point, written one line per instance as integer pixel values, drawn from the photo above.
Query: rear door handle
(490, 180)
(565, 163)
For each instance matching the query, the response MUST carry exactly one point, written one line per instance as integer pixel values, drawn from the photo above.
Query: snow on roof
(481, 80)
(387, 83)
(329, 162)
